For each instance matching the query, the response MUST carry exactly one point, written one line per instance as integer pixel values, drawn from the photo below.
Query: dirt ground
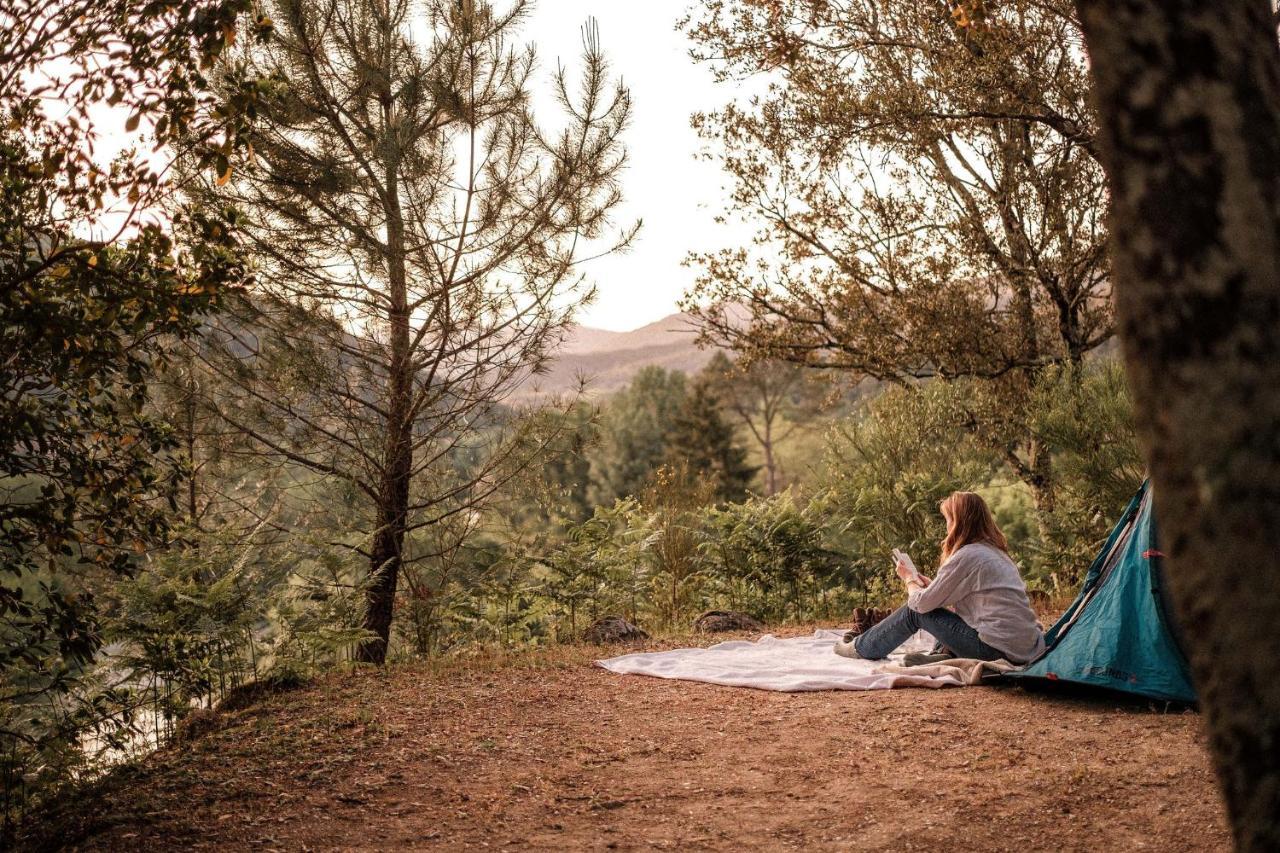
(550, 753)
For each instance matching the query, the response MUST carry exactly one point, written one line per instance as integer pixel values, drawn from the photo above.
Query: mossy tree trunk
(1189, 101)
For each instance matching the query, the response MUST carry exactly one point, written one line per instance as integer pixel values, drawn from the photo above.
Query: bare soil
(548, 752)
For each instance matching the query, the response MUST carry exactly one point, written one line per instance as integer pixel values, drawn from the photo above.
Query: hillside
(607, 360)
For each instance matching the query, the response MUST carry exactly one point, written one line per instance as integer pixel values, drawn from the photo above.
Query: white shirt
(982, 585)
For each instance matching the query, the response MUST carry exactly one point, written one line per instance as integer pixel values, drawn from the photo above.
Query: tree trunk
(1041, 479)
(189, 406)
(1189, 96)
(1036, 472)
(770, 464)
(384, 569)
(397, 463)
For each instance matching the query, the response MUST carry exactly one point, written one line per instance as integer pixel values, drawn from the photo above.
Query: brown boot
(866, 618)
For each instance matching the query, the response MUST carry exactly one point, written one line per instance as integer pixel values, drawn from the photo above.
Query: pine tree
(634, 434)
(702, 439)
(417, 233)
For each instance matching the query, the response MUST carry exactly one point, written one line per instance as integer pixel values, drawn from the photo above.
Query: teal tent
(1118, 634)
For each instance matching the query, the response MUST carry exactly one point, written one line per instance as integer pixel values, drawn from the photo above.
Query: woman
(990, 616)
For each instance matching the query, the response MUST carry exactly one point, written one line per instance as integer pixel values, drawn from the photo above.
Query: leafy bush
(600, 568)
(888, 469)
(768, 557)
(1085, 414)
(676, 500)
(201, 620)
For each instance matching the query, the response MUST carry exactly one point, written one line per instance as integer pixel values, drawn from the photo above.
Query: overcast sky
(676, 195)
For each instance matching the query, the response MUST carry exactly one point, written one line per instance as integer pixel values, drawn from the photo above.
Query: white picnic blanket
(798, 664)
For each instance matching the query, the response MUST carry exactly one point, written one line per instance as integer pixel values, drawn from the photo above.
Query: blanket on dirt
(798, 664)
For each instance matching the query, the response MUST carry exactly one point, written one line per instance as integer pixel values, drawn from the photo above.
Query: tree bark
(393, 504)
(385, 557)
(1039, 477)
(189, 416)
(770, 470)
(1189, 96)
(770, 461)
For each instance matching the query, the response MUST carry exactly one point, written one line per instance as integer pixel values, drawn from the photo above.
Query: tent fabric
(1116, 633)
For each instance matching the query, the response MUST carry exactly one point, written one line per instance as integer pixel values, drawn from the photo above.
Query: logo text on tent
(1110, 672)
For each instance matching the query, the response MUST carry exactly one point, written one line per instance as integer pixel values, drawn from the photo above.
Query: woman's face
(946, 515)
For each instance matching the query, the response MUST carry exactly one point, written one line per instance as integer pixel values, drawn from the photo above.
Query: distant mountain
(608, 360)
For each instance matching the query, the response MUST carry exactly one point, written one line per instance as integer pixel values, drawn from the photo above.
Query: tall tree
(634, 428)
(925, 176)
(418, 234)
(92, 287)
(1189, 96)
(701, 439)
(771, 399)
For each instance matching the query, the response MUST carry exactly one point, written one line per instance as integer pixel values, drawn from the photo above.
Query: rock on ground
(716, 621)
(613, 629)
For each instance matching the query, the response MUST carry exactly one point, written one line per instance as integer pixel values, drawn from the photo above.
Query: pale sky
(676, 195)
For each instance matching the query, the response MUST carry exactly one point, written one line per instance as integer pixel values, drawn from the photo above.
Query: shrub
(1085, 414)
(768, 557)
(888, 469)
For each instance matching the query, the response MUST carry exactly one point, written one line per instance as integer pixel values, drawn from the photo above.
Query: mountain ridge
(608, 360)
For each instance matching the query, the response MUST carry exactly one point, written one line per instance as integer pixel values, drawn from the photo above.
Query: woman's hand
(904, 572)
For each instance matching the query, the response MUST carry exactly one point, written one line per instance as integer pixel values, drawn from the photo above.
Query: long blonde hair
(969, 520)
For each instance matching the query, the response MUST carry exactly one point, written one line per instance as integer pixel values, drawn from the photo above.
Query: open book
(915, 573)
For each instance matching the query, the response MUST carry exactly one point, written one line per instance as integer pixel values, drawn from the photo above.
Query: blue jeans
(951, 632)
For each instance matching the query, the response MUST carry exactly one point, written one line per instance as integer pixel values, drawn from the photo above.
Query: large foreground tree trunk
(1189, 99)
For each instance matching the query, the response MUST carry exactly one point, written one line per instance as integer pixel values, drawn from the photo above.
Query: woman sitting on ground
(990, 615)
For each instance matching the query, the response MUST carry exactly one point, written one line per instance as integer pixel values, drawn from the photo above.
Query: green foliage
(777, 404)
(201, 620)
(567, 469)
(921, 265)
(184, 619)
(634, 429)
(1013, 505)
(86, 468)
(676, 500)
(701, 439)
(890, 467)
(443, 566)
(661, 419)
(769, 557)
(1085, 414)
(662, 556)
(474, 591)
(89, 298)
(661, 561)
(601, 566)
(556, 490)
